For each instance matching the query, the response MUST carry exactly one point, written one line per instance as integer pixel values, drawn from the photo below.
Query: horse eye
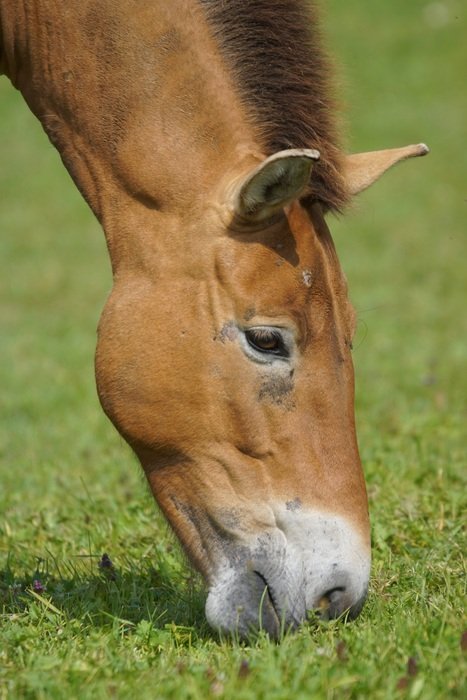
(267, 340)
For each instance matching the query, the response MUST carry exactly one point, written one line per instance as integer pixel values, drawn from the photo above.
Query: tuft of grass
(76, 624)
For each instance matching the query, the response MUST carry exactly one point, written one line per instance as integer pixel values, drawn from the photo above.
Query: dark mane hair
(274, 50)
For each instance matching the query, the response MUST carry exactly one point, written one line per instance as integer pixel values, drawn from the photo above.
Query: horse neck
(134, 96)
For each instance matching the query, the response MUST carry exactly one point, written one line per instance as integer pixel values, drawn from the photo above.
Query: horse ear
(363, 169)
(279, 180)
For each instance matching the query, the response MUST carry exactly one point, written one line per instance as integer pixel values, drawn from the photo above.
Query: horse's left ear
(276, 182)
(363, 169)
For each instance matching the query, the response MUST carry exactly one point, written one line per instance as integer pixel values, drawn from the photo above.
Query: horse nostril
(339, 600)
(333, 603)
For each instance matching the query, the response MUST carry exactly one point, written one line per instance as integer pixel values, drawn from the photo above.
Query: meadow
(77, 624)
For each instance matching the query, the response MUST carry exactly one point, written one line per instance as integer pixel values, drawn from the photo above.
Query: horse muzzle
(309, 562)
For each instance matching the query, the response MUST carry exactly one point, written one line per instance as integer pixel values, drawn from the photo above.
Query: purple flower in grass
(38, 586)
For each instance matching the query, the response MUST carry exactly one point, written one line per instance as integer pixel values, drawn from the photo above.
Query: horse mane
(283, 77)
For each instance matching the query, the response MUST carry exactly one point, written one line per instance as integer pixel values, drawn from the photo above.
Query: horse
(203, 135)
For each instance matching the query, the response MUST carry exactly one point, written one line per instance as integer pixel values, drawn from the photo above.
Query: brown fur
(275, 50)
(163, 112)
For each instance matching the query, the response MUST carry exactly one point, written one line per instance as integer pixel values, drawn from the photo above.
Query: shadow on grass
(144, 601)
(110, 596)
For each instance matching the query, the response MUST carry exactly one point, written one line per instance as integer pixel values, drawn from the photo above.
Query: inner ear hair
(279, 180)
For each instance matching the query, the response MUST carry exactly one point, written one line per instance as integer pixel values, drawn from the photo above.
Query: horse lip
(244, 603)
(270, 595)
(286, 619)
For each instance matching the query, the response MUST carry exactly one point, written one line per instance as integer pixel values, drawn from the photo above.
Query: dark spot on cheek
(216, 534)
(249, 314)
(228, 331)
(277, 390)
(187, 511)
(294, 505)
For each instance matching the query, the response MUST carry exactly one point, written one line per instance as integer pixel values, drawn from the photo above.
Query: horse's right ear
(363, 169)
(279, 180)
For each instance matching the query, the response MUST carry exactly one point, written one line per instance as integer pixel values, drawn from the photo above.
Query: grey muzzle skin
(260, 609)
(313, 563)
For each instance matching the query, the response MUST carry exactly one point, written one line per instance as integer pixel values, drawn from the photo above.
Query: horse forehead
(285, 263)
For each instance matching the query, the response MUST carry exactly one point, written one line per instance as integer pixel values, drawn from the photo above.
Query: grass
(71, 491)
